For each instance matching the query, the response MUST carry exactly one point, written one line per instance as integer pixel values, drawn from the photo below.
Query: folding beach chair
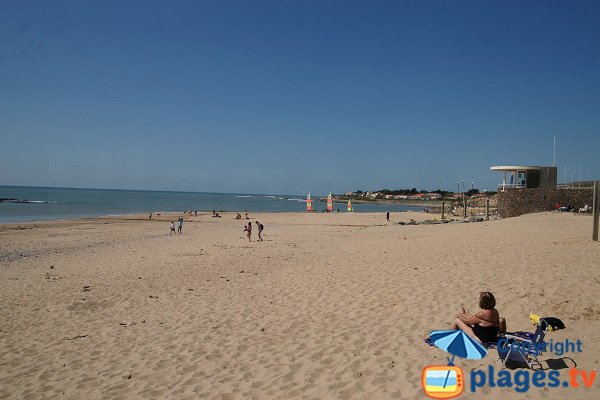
(525, 347)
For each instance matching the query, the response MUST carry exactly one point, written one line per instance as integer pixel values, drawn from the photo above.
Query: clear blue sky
(295, 96)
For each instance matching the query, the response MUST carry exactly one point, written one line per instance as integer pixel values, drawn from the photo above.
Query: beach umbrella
(457, 343)
(308, 203)
(350, 205)
(329, 202)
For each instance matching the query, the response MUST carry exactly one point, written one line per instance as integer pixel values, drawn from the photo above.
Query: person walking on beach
(180, 226)
(387, 216)
(246, 211)
(248, 229)
(260, 228)
(172, 228)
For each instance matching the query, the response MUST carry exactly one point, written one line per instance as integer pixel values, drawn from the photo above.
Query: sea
(25, 203)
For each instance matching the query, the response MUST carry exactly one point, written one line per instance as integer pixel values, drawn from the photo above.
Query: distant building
(529, 189)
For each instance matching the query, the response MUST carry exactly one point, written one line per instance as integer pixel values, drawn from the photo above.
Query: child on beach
(172, 228)
(249, 230)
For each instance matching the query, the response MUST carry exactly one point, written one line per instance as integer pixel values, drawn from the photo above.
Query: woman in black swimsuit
(483, 326)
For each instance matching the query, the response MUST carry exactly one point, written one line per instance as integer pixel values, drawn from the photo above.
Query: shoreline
(59, 204)
(139, 215)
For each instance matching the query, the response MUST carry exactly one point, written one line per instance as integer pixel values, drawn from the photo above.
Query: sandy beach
(328, 306)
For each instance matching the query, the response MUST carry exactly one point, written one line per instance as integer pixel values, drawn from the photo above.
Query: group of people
(248, 230)
(239, 216)
(569, 207)
(179, 226)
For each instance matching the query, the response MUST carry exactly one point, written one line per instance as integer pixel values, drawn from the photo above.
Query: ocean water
(42, 203)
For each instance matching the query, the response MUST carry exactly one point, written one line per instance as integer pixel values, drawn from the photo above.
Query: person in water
(482, 326)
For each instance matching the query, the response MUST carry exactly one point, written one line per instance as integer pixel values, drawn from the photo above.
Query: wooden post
(596, 205)
(487, 209)
(464, 206)
(443, 209)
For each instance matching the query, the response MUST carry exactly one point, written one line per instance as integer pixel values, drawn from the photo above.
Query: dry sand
(327, 307)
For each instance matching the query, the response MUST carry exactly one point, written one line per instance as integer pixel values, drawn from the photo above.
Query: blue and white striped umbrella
(458, 343)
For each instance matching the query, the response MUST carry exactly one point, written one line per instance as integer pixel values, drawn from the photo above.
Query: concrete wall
(515, 202)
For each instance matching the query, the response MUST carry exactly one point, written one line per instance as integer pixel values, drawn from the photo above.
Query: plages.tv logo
(447, 381)
(442, 381)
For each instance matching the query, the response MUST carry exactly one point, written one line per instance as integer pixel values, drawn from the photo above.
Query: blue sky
(295, 96)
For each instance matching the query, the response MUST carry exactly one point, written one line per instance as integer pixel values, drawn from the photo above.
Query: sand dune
(326, 307)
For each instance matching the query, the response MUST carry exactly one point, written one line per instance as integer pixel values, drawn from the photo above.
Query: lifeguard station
(522, 176)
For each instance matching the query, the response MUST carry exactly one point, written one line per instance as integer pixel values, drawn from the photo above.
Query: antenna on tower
(554, 159)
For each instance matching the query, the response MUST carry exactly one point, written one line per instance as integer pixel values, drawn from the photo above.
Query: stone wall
(515, 202)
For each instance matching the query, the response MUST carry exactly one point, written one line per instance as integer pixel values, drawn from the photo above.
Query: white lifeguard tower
(523, 176)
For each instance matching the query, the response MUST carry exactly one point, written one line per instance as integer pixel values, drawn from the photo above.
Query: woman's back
(488, 317)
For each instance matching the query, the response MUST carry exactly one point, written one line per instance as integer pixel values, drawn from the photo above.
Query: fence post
(443, 209)
(464, 206)
(487, 209)
(595, 206)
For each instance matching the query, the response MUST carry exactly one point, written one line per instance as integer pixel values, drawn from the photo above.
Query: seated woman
(483, 326)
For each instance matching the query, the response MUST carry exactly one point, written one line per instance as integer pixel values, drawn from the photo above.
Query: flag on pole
(308, 203)
(329, 203)
(350, 205)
